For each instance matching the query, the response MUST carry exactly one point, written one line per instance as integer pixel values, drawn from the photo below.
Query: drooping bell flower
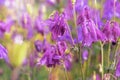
(57, 25)
(89, 34)
(69, 10)
(111, 31)
(107, 30)
(3, 53)
(50, 57)
(79, 5)
(40, 26)
(115, 30)
(117, 71)
(111, 9)
(26, 22)
(84, 15)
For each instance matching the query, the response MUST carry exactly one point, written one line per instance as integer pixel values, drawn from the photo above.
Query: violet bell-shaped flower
(69, 10)
(40, 25)
(50, 57)
(111, 31)
(57, 25)
(111, 9)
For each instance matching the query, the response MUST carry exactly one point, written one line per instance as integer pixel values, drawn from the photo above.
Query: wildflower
(111, 9)
(57, 25)
(26, 23)
(39, 26)
(111, 31)
(69, 10)
(50, 57)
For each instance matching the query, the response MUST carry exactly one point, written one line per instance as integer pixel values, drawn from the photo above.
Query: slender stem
(109, 48)
(70, 33)
(75, 25)
(66, 75)
(115, 54)
(102, 55)
(80, 60)
(75, 20)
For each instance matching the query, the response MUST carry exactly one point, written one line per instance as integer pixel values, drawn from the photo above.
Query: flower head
(57, 25)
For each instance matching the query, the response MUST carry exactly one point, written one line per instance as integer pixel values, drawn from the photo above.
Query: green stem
(75, 25)
(66, 75)
(115, 55)
(70, 33)
(109, 48)
(80, 60)
(102, 55)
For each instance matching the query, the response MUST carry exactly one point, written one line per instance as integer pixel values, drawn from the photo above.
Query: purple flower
(89, 34)
(50, 57)
(69, 10)
(40, 25)
(111, 31)
(85, 55)
(5, 26)
(84, 15)
(3, 53)
(55, 55)
(57, 25)
(109, 9)
(108, 31)
(79, 5)
(26, 21)
(117, 71)
(115, 30)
